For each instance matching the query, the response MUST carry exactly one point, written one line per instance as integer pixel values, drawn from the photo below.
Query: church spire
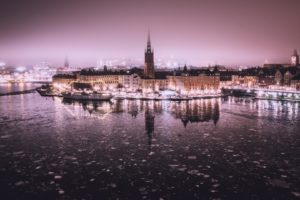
(66, 62)
(149, 71)
(149, 39)
(149, 50)
(295, 52)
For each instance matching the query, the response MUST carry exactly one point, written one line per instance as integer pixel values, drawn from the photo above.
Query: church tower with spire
(66, 63)
(295, 58)
(149, 71)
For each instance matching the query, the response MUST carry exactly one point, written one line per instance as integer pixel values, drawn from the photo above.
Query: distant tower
(66, 63)
(295, 58)
(149, 60)
(105, 68)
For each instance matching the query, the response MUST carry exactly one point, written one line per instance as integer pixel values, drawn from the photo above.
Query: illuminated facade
(190, 84)
(247, 81)
(147, 80)
(295, 82)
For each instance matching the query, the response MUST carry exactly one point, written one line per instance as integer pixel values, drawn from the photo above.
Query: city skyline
(201, 32)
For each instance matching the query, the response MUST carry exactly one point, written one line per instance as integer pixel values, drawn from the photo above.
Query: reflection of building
(197, 111)
(149, 122)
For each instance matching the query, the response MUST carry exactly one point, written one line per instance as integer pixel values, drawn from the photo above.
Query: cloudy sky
(230, 32)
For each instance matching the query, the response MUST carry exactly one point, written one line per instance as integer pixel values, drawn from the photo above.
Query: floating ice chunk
(254, 130)
(192, 157)
(19, 183)
(61, 192)
(279, 183)
(151, 153)
(182, 169)
(18, 152)
(297, 194)
(57, 177)
(5, 136)
(193, 172)
(70, 158)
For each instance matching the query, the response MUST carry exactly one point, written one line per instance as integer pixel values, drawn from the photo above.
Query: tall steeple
(66, 62)
(149, 71)
(149, 43)
(295, 58)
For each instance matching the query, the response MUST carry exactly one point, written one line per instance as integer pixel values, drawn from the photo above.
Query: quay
(264, 93)
(18, 92)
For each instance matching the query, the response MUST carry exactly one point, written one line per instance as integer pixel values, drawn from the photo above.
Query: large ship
(95, 96)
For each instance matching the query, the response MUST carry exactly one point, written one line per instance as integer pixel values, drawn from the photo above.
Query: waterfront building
(295, 82)
(147, 80)
(244, 80)
(193, 81)
(283, 76)
(61, 81)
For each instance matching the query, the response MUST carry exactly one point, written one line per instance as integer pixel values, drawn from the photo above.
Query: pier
(265, 93)
(18, 92)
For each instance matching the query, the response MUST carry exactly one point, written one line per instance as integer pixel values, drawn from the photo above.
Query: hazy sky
(231, 32)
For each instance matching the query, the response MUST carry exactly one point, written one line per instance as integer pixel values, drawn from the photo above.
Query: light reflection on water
(15, 87)
(200, 149)
(185, 111)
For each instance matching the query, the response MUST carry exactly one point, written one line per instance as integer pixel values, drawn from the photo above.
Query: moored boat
(45, 90)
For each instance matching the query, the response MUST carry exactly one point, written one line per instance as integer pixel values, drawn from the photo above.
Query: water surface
(202, 149)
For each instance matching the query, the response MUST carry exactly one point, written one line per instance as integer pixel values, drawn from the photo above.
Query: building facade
(147, 80)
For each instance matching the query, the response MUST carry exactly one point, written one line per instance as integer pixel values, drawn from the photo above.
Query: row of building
(145, 80)
(183, 80)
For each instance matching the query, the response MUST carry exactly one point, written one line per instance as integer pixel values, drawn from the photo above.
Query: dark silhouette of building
(196, 111)
(149, 123)
(295, 58)
(149, 71)
(67, 63)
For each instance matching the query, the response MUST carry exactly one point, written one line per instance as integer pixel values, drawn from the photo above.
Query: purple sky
(230, 32)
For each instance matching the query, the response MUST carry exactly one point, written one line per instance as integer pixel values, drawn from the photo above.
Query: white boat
(95, 96)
